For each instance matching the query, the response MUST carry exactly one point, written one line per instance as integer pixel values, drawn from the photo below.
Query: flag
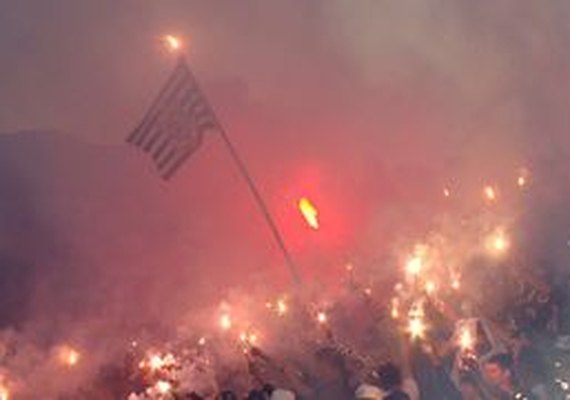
(173, 128)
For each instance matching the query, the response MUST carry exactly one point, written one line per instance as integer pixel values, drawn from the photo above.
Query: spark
(416, 328)
(522, 179)
(156, 362)
(415, 263)
(249, 338)
(68, 356)
(202, 341)
(497, 242)
(4, 393)
(430, 287)
(281, 307)
(446, 192)
(172, 43)
(466, 341)
(395, 310)
(309, 212)
(163, 387)
(225, 322)
(490, 193)
(322, 317)
(455, 284)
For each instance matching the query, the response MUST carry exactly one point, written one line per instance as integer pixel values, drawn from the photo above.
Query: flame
(466, 340)
(430, 287)
(497, 242)
(226, 322)
(414, 265)
(395, 310)
(309, 212)
(416, 262)
(68, 356)
(155, 361)
(455, 284)
(4, 393)
(522, 179)
(416, 328)
(490, 193)
(281, 307)
(163, 387)
(172, 43)
(249, 338)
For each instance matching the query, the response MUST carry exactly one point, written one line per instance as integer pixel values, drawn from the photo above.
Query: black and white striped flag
(174, 126)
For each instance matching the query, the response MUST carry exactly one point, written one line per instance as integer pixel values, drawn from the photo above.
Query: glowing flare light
(4, 393)
(172, 43)
(466, 340)
(497, 242)
(490, 193)
(226, 322)
(416, 328)
(68, 356)
(309, 212)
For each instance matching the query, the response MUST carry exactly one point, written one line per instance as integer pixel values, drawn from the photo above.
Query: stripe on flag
(173, 128)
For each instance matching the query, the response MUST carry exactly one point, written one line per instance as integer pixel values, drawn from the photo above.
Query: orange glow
(466, 341)
(225, 322)
(163, 387)
(4, 393)
(497, 242)
(172, 43)
(416, 328)
(455, 284)
(490, 193)
(309, 212)
(249, 338)
(522, 179)
(395, 310)
(430, 287)
(68, 356)
(281, 307)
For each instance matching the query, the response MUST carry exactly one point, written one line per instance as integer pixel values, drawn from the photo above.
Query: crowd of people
(529, 361)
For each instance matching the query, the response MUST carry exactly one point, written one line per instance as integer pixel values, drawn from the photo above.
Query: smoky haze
(369, 108)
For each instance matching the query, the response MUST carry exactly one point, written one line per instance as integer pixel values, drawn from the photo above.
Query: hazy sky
(369, 107)
(477, 68)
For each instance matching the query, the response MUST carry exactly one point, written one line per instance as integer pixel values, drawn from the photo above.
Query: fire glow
(172, 43)
(309, 212)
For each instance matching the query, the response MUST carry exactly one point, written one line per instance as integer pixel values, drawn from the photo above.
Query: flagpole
(253, 189)
(261, 203)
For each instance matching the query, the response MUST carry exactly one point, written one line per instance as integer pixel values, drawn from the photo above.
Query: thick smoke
(370, 108)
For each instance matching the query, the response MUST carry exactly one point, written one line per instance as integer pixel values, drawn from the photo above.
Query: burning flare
(497, 242)
(163, 387)
(172, 43)
(466, 340)
(309, 212)
(226, 322)
(490, 193)
(68, 356)
(416, 328)
(322, 317)
(4, 393)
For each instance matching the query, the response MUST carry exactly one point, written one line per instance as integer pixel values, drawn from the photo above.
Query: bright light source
(172, 43)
